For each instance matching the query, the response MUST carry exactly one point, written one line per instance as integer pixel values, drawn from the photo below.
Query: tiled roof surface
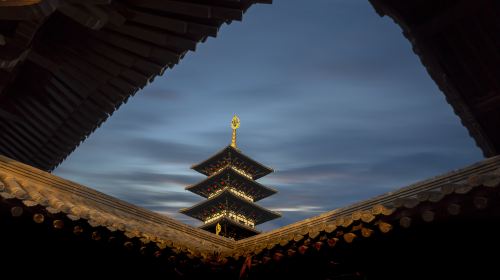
(33, 187)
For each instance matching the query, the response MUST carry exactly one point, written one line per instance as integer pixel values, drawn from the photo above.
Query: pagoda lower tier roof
(228, 201)
(233, 156)
(234, 229)
(228, 177)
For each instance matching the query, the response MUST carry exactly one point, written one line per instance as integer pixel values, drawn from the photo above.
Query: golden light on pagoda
(231, 192)
(235, 124)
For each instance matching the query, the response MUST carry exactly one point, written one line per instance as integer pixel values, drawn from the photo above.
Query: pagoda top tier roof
(233, 156)
(227, 200)
(229, 177)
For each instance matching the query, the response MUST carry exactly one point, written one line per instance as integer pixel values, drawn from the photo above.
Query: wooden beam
(43, 61)
(23, 133)
(18, 3)
(87, 16)
(134, 77)
(126, 43)
(24, 145)
(162, 22)
(227, 13)
(182, 8)
(7, 116)
(457, 11)
(15, 150)
(91, 2)
(157, 38)
(487, 104)
(104, 57)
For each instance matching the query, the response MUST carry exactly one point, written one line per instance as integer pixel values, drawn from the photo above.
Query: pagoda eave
(206, 187)
(228, 201)
(234, 154)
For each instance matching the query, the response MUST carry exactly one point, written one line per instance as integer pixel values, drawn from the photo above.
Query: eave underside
(66, 66)
(458, 43)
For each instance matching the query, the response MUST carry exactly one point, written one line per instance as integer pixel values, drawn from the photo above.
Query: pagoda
(231, 192)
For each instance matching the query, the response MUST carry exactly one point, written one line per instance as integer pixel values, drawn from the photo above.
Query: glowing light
(242, 172)
(233, 190)
(235, 124)
(214, 217)
(248, 175)
(232, 215)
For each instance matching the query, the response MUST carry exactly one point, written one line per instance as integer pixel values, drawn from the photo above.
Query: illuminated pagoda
(231, 192)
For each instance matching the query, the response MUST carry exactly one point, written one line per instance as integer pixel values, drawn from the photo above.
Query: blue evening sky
(329, 94)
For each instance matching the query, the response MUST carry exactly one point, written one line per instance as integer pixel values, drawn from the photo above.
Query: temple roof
(227, 200)
(457, 42)
(234, 179)
(26, 190)
(66, 66)
(70, 202)
(460, 192)
(234, 156)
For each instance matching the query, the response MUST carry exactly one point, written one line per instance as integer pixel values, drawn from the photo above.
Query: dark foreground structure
(87, 57)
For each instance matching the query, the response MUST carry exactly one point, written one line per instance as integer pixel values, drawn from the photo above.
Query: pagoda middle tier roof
(229, 177)
(233, 156)
(228, 201)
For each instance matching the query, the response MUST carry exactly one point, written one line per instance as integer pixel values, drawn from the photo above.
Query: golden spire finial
(235, 124)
